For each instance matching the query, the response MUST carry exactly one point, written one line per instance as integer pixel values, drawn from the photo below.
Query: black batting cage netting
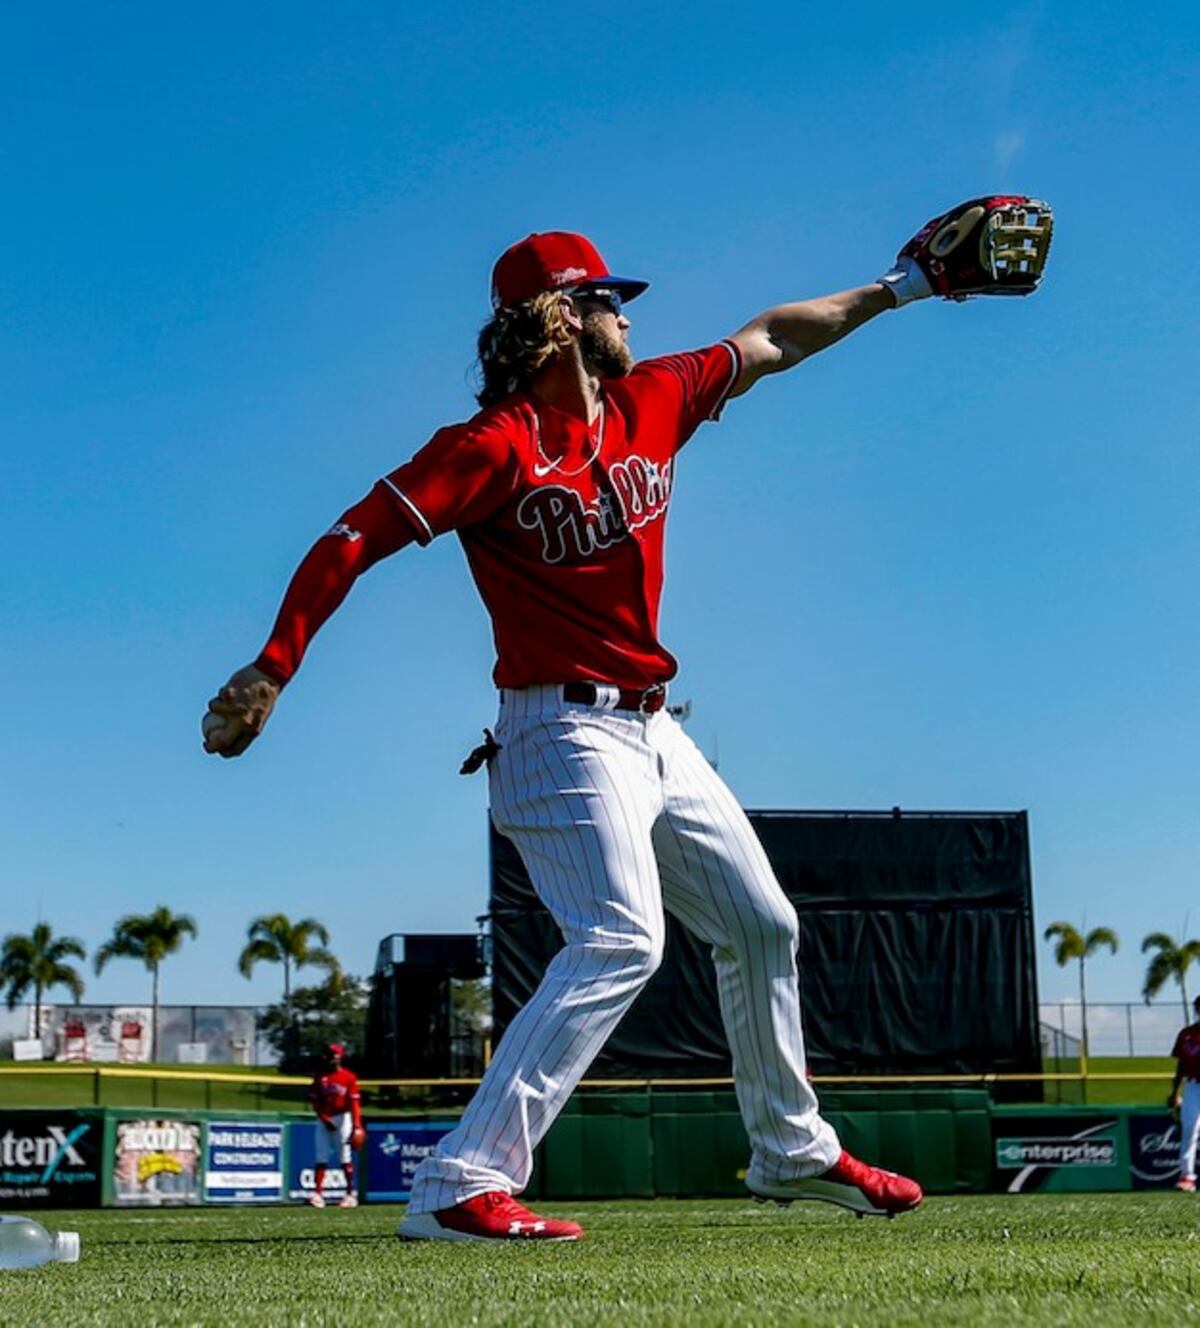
(916, 950)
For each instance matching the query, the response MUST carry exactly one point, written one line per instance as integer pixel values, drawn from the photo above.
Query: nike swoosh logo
(540, 472)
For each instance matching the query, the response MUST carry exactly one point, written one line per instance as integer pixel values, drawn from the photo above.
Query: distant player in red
(558, 489)
(1185, 1098)
(337, 1101)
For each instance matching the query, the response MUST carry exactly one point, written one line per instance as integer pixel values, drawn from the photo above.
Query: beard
(604, 353)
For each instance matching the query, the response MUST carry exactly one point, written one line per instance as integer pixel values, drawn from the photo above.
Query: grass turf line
(35, 1087)
(1062, 1259)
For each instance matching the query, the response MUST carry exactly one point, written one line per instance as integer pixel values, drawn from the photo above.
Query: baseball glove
(986, 246)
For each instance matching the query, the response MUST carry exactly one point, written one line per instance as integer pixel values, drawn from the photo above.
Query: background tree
(1071, 944)
(1171, 960)
(470, 1025)
(36, 961)
(471, 1004)
(275, 939)
(150, 937)
(332, 1011)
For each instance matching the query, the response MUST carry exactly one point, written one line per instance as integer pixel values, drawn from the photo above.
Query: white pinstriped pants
(617, 815)
(1189, 1129)
(332, 1143)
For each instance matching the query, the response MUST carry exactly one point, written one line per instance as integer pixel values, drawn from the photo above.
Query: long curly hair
(518, 341)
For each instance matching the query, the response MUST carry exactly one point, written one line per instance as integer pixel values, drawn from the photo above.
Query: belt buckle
(658, 689)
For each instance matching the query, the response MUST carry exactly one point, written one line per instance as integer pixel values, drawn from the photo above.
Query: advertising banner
(394, 1151)
(156, 1162)
(243, 1162)
(302, 1160)
(50, 1160)
(1055, 1152)
(1153, 1150)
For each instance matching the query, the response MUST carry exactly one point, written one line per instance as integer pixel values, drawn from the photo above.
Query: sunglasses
(609, 300)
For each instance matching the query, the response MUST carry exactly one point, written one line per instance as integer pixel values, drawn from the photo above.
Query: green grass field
(56, 1087)
(1064, 1259)
(1107, 1092)
(61, 1087)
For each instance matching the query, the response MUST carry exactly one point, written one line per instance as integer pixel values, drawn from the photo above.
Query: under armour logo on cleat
(525, 1228)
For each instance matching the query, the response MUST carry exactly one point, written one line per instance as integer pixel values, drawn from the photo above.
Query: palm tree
(36, 961)
(1073, 944)
(276, 939)
(150, 937)
(1171, 961)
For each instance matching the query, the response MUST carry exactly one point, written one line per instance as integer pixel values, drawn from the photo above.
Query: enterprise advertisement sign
(1053, 1152)
(243, 1162)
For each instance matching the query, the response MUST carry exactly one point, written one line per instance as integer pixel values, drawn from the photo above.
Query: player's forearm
(782, 337)
(369, 531)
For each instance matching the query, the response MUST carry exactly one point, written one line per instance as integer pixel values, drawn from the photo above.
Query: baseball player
(1185, 1098)
(336, 1099)
(558, 489)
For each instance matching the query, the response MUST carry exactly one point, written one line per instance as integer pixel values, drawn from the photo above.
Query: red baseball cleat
(1187, 1184)
(491, 1216)
(852, 1184)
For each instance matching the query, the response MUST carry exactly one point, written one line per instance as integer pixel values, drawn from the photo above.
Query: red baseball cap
(335, 1049)
(554, 260)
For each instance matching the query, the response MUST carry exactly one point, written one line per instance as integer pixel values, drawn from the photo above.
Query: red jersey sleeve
(692, 387)
(370, 530)
(459, 478)
(1178, 1049)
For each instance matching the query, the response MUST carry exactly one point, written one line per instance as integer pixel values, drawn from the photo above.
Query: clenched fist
(238, 712)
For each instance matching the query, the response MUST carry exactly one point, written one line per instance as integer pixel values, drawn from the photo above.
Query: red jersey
(1187, 1052)
(563, 523)
(333, 1093)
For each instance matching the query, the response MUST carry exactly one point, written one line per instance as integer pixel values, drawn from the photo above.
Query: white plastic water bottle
(25, 1243)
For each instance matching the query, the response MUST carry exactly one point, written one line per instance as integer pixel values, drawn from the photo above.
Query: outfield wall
(634, 1144)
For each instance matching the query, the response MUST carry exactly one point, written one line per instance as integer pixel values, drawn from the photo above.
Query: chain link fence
(1124, 1028)
(228, 1034)
(123, 1034)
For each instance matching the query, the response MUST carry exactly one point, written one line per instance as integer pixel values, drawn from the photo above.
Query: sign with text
(1059, 1152)
(243, 1162)
(394, 1151)
(157, 1162)
(1153, 1150)
(50, 1160)
(302, 1162)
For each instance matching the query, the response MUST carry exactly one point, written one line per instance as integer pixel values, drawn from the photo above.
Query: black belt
(646, 700)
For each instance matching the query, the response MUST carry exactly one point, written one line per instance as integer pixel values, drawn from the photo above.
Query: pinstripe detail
(413, 508)
(1189, 1128)
(618, 817)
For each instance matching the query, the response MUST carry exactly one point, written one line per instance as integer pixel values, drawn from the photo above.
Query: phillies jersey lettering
(562, 522)
(639, 492)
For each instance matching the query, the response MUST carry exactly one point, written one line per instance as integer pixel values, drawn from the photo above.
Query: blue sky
(950, 564)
